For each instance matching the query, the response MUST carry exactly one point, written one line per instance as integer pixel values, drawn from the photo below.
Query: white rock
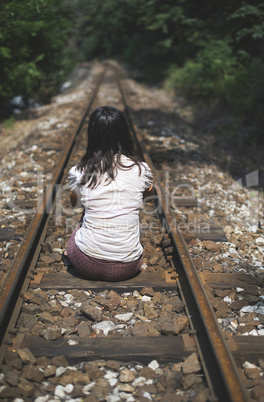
(124, 317)
(249, 365)
(147, 395)
(88, 387)
(136, 293)
(59, 391)
(112, 381)
(254, 332)
(69, 388)
(110, 374)
(260, 331)
(239, 290)
(139, 382)
(146, 298)
(248, 309)
(60, 370)
(71, 342)
(124, 395)
(64, 304)
(149, 382)
(69, 298)
(260, 240)
(57, 250)
(113, 398)
(104, 326)
(154, 365)
(227, 300)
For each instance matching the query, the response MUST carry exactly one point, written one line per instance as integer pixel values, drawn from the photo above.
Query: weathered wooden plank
(183, 201)
(231, 280)
(247, 348)
(7, 234)
(70, 280)
(206, 233)
(142, 349)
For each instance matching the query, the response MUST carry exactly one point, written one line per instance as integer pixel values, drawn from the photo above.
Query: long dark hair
(108, 139)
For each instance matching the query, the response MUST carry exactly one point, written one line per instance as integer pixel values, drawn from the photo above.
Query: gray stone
(33, 373)
(101, 389)
(83, 329)
(43, 362)
(171, 379)
(126, 388)
(47, 318)
(261, 362)
(177, 304)
(114, 301)
(189, 380)
(148, 292)
(104, 326)
(171, 396)
(147, 372)
(75, 377)
(149, 311)
(113, 364)
(51, 333)
(12, 360)
(9, 393)
(191, 364)
(144, 329)
(37, 329)
(252, 373)
(153, 260)
(28, 320)
(12, 377)
(93, 313)
(127, 375)
(26, 356)
(92, 370)
(202, 396)
(50, 371)
(159, 298)
(59, 361)
(258, 393)
(174, 327)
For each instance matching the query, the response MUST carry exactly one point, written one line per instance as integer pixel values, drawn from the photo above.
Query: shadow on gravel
(175, 139)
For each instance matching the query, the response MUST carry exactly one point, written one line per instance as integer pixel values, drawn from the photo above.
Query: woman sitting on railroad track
(110, 182)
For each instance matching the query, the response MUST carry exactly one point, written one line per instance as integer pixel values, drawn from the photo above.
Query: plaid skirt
(93, 268)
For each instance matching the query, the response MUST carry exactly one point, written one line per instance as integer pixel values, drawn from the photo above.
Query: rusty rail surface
(12, 285)
(220, 368)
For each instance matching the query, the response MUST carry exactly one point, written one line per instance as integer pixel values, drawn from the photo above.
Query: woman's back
(110, 228)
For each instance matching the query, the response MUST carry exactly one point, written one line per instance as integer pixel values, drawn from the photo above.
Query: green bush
(205, 75)
(33, 38)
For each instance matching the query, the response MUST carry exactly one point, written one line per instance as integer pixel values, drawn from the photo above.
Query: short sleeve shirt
(110, 229)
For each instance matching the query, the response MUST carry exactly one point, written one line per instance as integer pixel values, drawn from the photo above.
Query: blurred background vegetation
(210, 51)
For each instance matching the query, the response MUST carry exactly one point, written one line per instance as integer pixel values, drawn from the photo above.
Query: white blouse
(110, 229)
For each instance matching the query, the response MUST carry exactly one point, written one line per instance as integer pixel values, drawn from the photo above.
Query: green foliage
(9, 123)
(33, 36)
(206, 75)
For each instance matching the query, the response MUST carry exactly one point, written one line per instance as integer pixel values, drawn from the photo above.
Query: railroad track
(167, 293)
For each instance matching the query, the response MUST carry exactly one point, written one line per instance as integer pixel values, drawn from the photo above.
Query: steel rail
(220, 365)
(12, 285)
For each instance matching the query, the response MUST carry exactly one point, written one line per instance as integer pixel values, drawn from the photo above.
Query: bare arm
(74, 199)
(149, 192)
